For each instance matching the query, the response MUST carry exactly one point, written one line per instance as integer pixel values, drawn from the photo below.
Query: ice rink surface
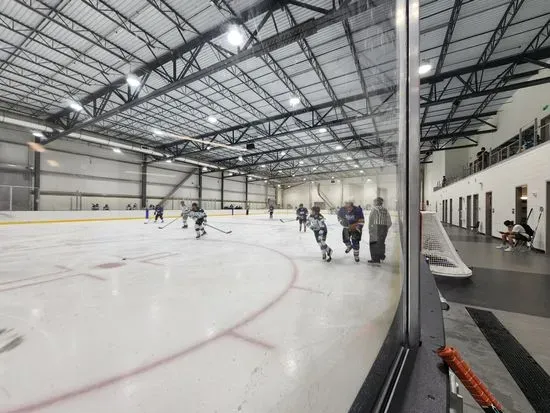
(123, 317)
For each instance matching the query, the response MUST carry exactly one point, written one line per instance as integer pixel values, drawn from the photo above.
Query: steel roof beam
(443, 53)
(519, 58)
(289, 36)
(472, 83)
(489, 92)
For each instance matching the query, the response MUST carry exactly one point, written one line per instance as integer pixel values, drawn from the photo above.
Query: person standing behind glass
(379, 224)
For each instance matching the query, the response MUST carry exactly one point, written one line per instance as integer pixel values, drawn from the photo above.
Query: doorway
(489, 214)
(444, 211)
(460, 223)
(521, 204)
(451, 211)
(469, 212)
(475, 211)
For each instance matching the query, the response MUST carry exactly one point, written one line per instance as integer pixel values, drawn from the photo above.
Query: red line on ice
(311, 290)
(31, 407)
(251, 340)
(63, 269)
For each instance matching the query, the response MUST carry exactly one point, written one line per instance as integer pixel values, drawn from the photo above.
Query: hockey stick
(171, 222)
(288, 220)
(217, 229)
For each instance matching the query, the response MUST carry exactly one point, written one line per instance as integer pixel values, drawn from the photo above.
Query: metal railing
(529, 136)
(16, 198)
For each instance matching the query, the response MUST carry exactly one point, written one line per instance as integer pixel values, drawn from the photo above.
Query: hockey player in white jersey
(185, 210)
(316, 222)
(199, 216)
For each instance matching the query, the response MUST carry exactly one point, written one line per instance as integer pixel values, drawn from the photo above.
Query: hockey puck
(124, 259)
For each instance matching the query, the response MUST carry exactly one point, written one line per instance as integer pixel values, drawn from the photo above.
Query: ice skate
(329, 255)
(203, 233)
(324, 256)
(348, 249)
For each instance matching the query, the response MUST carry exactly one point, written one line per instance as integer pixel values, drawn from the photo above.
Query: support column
(36, 184)
(200, 186)
(143, 191)
(246, 190)
(222, 189)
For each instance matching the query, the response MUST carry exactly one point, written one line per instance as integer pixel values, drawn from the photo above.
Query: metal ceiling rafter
(473, 81)
(500, 81)
(275, 68)
(453, 19)
(178, 52)
(172, 14)
(275, 42)
(314, 63)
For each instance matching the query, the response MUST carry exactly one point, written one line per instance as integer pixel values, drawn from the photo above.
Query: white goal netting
(439, 250)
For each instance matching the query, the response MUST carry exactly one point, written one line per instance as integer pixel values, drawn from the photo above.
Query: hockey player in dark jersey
(199, 216)
(301, 216)
(271, 208)
(316, 222)
(159, 213)
(352, 219)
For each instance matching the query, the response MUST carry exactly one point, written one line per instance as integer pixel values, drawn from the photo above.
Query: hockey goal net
(439, 250)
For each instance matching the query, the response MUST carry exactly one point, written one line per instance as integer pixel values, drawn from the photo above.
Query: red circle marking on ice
(168, 359)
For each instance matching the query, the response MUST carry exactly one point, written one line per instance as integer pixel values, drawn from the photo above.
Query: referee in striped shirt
(379, 224)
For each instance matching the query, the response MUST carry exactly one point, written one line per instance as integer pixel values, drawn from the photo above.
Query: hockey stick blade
(217, 229)
(171, 222)
(288, 220)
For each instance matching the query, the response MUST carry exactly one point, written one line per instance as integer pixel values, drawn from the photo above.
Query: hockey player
(352, 219)
(316, 222)
(199, 216)
(271, 208)
(184, 214)
(159, 213)
(301, 216)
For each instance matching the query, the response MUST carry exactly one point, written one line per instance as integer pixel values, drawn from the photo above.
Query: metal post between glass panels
(407, 28)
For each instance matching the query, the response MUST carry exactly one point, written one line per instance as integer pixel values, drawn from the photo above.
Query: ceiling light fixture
(369, 180)
(235, 37)
(424, 68)
(38, 134)
(212, 119)
(348, 158)
(322, 130)
(117, 150)
(294, 101)
(169, 161)
(262, 166)
(204, 169)
(76, 106)
(265, 181)
(132, 80)
(357, 166)
(157, 132)
(314, 168)
(240, 158)
(362, 171)
(301, 162)
(338, 147)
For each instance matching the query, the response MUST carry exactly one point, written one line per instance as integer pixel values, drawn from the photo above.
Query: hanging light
(294, 101)
(424, 68)
(132, 80)
(235, 36)
(76, 106)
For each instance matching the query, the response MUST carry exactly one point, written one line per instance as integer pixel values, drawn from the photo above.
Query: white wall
(361, 190)
(528, 168)
(106, 177)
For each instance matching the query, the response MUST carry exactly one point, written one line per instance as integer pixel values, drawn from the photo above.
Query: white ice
(125, 317)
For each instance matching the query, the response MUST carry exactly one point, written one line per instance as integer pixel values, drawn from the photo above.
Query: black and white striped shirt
(379, 216)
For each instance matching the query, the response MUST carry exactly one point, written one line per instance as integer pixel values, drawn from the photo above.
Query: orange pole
(477, 389)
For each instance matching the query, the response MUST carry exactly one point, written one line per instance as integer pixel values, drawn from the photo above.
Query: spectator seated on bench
(516, 236)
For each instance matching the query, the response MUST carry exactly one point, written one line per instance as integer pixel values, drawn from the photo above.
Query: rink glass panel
(371, 52)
